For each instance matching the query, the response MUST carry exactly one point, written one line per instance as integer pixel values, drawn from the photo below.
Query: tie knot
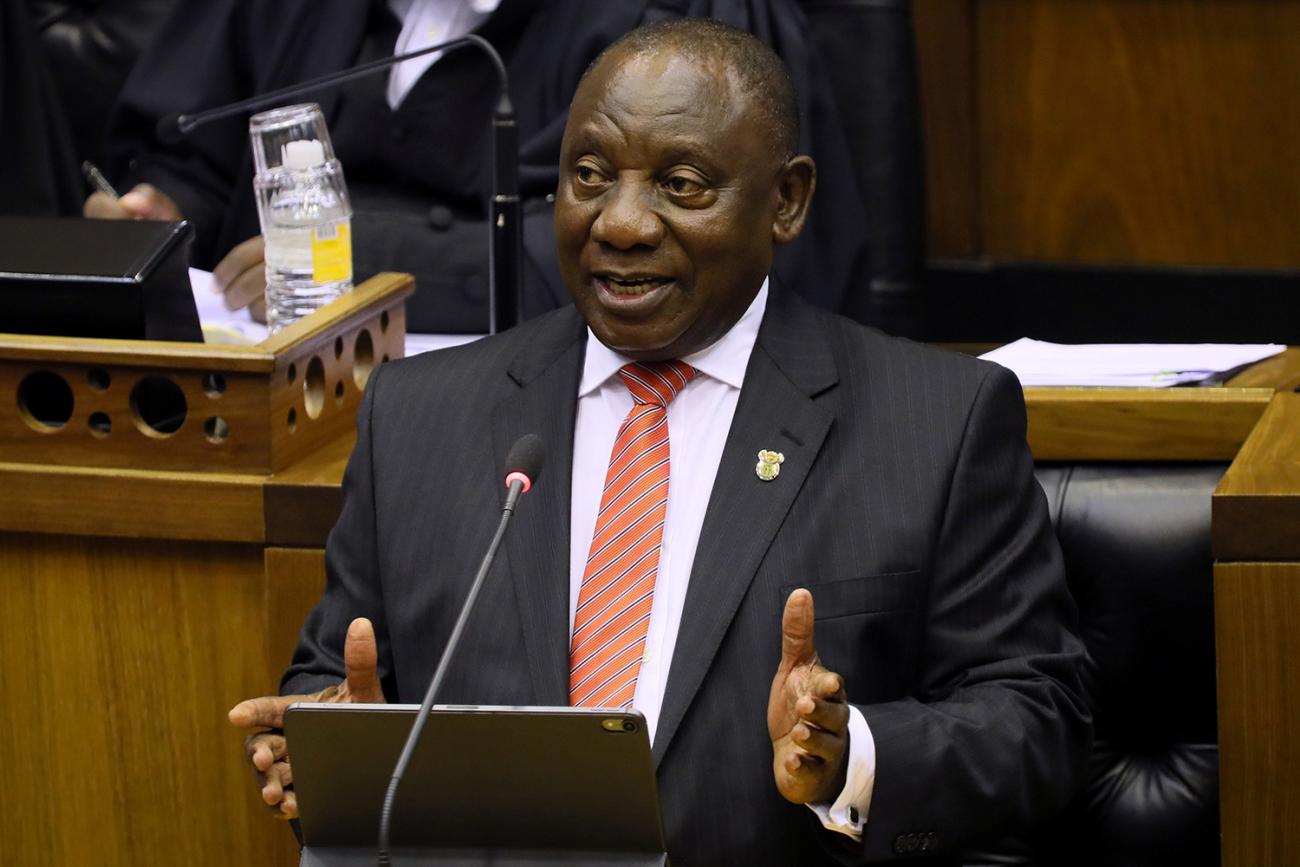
(656, 382)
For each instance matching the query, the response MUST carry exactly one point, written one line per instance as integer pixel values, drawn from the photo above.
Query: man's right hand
(144, 202)
(268, 751)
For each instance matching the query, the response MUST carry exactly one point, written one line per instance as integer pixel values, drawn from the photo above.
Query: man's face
(664, 217)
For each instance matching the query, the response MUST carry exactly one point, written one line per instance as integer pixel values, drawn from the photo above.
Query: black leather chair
(1136, 541)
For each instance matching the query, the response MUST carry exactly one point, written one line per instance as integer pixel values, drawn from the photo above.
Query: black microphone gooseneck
(523, 466)
(505, 227)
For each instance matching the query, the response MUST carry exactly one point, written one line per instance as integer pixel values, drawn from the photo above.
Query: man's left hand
(807, 713)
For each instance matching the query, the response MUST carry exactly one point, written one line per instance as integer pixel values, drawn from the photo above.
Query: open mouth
(631, 285)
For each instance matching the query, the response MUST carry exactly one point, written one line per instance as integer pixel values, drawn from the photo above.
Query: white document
(237, 326)
(1125, 365)
(219, 324)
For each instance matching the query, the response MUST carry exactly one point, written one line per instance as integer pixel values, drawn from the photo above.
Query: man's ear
(794, 194)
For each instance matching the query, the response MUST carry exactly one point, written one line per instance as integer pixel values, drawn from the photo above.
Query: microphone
(505, 226)
(523, 466)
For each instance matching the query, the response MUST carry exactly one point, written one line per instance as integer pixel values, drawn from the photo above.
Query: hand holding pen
(143, 202)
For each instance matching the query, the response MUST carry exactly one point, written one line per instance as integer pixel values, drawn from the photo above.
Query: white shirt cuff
(848, 813)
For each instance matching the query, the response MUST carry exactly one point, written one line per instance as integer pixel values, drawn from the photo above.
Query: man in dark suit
(932, 697)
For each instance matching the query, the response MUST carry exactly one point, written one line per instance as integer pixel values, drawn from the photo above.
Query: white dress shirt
(698, 421)
(425, 23)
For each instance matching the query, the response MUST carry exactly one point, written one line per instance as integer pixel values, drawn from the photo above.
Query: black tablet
(486, 785)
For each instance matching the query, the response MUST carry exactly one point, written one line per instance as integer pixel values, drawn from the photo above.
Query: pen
(96, 179)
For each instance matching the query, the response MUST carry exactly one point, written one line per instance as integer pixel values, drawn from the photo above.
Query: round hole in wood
(338, 392)
(363, 358)
(98, 379)
(158, 406)
(338, 347)
(216, 429)
(214, 385)
(313, 387)
(293, 373)
(293, 420)
(100, 424)
(383, 322)
(45, 401)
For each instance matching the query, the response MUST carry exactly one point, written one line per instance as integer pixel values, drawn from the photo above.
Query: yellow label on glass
(331, 252)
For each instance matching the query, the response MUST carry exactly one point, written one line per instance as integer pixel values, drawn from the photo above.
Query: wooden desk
(138, 606)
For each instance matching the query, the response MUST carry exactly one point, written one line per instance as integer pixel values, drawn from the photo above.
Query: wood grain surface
(295, 581)
(1155, 132)
(1147, 424)
(1257, 504)
(1139, 131)
(88, 501)
(945, 57)
(1259, 711)
(121, 658)
(233, 409)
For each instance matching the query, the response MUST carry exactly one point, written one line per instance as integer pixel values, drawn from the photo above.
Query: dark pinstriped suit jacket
(906, 504)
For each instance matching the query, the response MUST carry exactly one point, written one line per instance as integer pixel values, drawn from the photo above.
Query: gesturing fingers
(274, 781)
(288, 806)
(797, 647)
(361, 662)
(263, 712)
(822, 744)
(265, 748)
(826, 714)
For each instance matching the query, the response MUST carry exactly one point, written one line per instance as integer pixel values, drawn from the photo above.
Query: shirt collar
(724, 361)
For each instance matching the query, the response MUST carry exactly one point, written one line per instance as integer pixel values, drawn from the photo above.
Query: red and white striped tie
(618, 585)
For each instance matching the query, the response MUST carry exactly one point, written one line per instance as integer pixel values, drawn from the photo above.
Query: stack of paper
(1126, 365)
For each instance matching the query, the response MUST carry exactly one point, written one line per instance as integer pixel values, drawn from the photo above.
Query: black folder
(97, 278)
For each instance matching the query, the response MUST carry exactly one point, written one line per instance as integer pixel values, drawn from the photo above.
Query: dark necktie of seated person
(618, 584)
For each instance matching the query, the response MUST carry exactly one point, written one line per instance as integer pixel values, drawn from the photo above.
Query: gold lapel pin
(769, 465)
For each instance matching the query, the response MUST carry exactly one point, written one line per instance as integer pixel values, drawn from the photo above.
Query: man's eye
(682, 185)
(586, 174)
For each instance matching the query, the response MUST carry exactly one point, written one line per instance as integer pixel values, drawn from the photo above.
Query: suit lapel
(791, 364)
(546, 376)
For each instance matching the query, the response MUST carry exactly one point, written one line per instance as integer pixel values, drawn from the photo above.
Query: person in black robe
(419, 175)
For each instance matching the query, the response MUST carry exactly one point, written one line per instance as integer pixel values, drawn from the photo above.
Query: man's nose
(628, 220)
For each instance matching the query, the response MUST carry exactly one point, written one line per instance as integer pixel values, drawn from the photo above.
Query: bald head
(753, 67)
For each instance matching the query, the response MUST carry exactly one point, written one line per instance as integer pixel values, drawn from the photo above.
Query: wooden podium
(163, 508)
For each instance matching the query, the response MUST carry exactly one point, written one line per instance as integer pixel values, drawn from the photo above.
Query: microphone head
(524, 463)
(168, 130)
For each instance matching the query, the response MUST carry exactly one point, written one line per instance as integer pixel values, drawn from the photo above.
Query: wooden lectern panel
(121, 658)
(1258, 646)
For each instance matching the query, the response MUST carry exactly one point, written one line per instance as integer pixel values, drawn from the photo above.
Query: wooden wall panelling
(121, 658)
(1259, 711)
(946, 79)
(1139, 131)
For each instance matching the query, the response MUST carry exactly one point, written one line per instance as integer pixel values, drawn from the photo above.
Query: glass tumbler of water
(302, 202)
